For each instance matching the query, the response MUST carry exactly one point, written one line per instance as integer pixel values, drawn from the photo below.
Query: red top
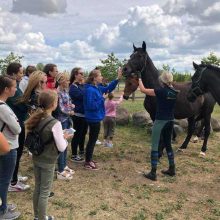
(51, 82)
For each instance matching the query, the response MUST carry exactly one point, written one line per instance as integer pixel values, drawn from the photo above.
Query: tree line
(110, 65)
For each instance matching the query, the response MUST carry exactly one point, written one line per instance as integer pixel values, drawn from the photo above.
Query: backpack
(34, 142)
(3, 126)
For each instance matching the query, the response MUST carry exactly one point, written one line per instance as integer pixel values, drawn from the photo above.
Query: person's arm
(10, 119)
(60, 141)
(4, 146)
(111, 86)
(146, 91)
(120, 100)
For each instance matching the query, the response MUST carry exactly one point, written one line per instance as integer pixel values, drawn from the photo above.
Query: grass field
(118, 191)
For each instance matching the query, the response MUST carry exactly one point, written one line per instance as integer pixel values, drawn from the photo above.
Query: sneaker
(11, 207)
(90, 166)
(22, 178)
(68, 170)
(8, 215)
(77, 159)
(19, 187)
(64, 176)
(110, 145)
(50, 217)
(98, 142)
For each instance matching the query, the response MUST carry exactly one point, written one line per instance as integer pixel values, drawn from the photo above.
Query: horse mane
(211, 66)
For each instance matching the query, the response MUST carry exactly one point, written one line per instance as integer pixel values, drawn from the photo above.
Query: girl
(10, 128)
(66, 111)
(95, 110)
(109, 121)
(44, 164)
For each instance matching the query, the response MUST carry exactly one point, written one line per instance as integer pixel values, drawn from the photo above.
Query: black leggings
(81, 127)
(94, 129)
(20, 149)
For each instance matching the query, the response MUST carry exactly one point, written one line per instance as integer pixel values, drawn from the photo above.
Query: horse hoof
(180, 150)
(202, 154)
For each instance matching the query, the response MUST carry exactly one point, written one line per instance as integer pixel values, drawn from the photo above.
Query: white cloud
(39, 7)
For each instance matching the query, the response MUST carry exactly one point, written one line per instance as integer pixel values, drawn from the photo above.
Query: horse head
(133, 68)
(198, 88)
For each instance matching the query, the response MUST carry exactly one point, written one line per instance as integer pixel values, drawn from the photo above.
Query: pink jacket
(110, 107)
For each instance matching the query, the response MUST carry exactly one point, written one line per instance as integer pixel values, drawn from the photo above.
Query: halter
(138, 73)
(196, 91)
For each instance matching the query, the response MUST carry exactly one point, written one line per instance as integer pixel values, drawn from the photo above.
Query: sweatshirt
(94, 102)
(110, 107)
(12, 128)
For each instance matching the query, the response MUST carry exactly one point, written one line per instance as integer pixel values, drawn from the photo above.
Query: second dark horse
(200, 109)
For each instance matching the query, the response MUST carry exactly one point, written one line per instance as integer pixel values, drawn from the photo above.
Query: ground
(118, 191)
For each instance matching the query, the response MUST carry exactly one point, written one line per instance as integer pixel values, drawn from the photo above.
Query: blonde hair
(33, 83)
(166, 78)
(62, 76)
(46, 100)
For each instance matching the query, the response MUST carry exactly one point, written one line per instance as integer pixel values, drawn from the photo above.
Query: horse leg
(174, 135)
(191, 127)
(206, 134)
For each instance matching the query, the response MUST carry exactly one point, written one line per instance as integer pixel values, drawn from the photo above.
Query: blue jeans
(7, 166)
(63, 155)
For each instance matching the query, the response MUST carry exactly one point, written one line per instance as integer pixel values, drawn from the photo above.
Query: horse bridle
(138, 73)
(196, 91)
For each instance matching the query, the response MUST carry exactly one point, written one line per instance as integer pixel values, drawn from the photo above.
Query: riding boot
(170, 172)
(152, 174)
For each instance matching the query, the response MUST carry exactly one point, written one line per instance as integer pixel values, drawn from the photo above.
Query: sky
(74, 33)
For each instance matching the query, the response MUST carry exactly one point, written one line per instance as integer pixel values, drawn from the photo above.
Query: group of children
(52, 101)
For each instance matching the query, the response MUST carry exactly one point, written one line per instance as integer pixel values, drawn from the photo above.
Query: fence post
(133, 96)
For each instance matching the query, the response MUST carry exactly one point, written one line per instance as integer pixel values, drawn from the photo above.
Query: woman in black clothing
(76, 92)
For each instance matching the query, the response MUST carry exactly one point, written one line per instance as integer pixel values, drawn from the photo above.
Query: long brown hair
(46, 100)
(73, 74)
(33, 83)
(94, 73)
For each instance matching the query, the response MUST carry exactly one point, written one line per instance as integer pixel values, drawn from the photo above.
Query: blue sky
(81, 32)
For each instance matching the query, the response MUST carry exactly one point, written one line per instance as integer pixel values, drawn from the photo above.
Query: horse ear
(195, 65)
(135, 48)
(144, 46)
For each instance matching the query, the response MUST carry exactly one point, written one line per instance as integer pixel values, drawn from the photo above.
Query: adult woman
(44, 164)
(20, 110)
(10, 128)
(166, 99)
(24, 82)
(95, 110)
(76, 93)
(37, 83)
(51, 70)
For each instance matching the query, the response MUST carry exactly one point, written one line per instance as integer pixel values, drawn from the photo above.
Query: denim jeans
(7, 166)
(63, 155)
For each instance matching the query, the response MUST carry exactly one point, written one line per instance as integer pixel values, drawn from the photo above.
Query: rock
(122, 116)
(215, 124)
(141, 119)
(182, 123)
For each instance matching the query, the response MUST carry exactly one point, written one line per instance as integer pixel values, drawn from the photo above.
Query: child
(44, 164)
(109, 121)
(10, 128)
(65, 112)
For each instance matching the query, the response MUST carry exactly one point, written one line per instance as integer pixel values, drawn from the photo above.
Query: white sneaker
(68, 170)
(64, 176)
(19, 187)
(98, 142)
(22, 178)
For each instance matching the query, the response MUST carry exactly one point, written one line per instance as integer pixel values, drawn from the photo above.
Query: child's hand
(71, 113)
(105, 95)
(67, 136)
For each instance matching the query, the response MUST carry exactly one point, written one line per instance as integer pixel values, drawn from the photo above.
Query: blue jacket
(94, 101)
(76, 93)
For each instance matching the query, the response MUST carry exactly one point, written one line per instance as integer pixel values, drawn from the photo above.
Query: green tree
(9, 59)
(40, 66)
(211, 59)
(110, 65)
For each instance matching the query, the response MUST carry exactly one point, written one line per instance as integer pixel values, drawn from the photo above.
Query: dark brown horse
(200, 109)
(205, 79)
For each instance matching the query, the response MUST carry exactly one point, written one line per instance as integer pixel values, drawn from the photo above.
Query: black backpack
(34, 142)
